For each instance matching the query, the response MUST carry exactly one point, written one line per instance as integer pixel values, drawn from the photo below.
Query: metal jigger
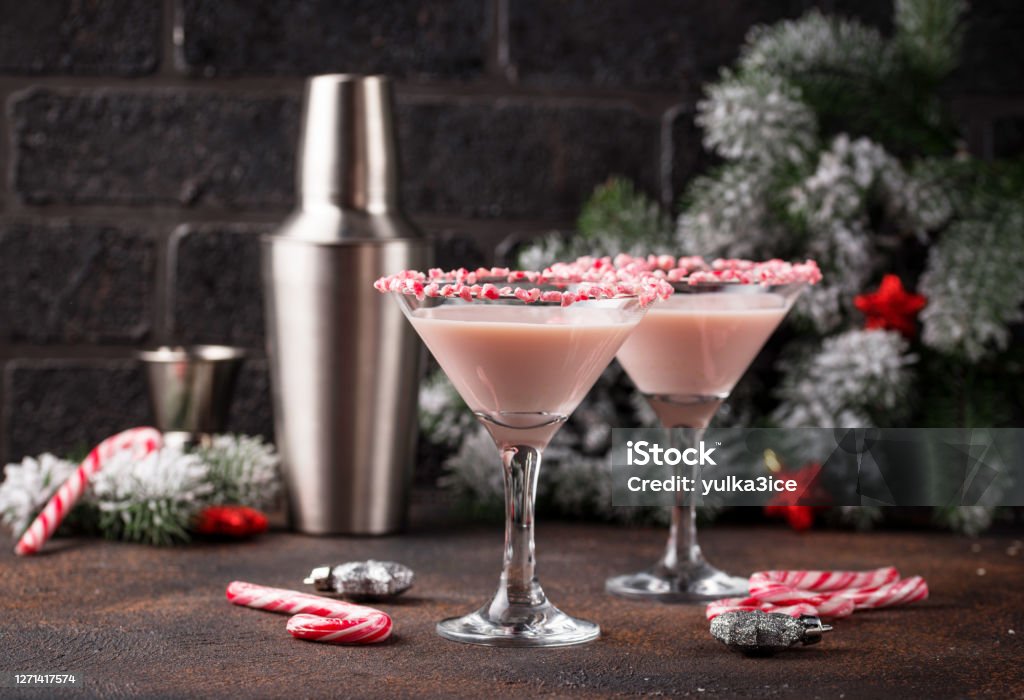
(344, 364)
(190, 389)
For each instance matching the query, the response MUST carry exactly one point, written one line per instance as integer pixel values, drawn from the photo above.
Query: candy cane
(725, 605)
(822, 580)
(314, 617)
(908, 590)
(141, 441)
(824, 593)
(867, 589)
(373, 628)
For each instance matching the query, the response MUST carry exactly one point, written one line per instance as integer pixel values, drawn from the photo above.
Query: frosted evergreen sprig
(857, 375)
(929, 34)
(757, 116)
(153, 499)
(28, 485)
(848, 257)
(816, 44)
(842, 181)
(618, 210)
(242, 470)
(444, 417)
(974, 286)
(473, 471)
(728, 214)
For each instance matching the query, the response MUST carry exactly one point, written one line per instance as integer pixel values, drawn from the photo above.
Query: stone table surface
(138, 621)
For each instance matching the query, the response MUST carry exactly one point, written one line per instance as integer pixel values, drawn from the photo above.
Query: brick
(519, 159)
(252, 412)
(453, 249)
(419, 38)
(875, 13)
(112, 37)
(632, 44)
(1008, 137)
(991, 61)
(66, 407)
(154, 147)
(217, 294)
(75, 282)
(687, 154)
(482, 159)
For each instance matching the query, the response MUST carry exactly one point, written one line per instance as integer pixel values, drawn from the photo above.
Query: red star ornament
(890, 307)
(785, 504)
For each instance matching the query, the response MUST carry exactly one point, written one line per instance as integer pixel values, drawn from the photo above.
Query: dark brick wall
(145, 144)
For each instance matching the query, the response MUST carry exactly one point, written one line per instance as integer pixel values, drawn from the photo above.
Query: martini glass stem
(682, 546)
(521, 465)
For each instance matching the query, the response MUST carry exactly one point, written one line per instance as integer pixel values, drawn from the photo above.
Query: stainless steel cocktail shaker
(344, 363)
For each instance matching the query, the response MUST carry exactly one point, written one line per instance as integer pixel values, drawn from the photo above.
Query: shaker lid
(347, 163)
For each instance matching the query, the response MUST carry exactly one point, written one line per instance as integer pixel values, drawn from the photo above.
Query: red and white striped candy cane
(867, 589)
(829, 594)
(315, 618)
(820, 581)
(718, 607)
(360, 630)
(909, 590)
(141, 441)
(289, 602)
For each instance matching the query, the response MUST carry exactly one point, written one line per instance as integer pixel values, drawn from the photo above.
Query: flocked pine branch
(27, 486)
(729, 213)
(857, 376)
(757, 117)
(242, 470)
(854, 79)
(929, 34)
(816, 45)
(152, 499)
(618, 210)
(974, 286)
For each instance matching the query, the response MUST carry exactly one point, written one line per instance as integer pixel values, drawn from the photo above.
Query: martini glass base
(541, 625)
(690, 583)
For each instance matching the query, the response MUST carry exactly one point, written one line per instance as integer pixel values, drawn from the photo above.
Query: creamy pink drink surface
(525, 368)
(695, 347)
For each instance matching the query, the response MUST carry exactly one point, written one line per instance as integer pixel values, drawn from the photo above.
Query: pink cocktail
(522, 349)
(685, 357)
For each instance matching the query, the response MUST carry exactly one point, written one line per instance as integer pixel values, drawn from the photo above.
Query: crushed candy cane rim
(695, 270)
(587, 282)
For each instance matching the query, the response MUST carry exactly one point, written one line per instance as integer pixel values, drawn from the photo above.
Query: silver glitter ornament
(363, 579)
(757, 633)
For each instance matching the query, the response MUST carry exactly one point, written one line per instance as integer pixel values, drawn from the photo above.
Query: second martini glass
(522, 359)
(685, 357)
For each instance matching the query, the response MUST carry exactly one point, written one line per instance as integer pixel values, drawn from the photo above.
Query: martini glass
(522, 368)
(685, 357)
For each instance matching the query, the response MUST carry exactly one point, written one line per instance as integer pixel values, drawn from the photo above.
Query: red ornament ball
(232, 521)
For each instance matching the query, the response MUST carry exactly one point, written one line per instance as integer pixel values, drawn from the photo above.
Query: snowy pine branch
(857, 376)
(974, 286)
(929, 34)
(757, 117)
